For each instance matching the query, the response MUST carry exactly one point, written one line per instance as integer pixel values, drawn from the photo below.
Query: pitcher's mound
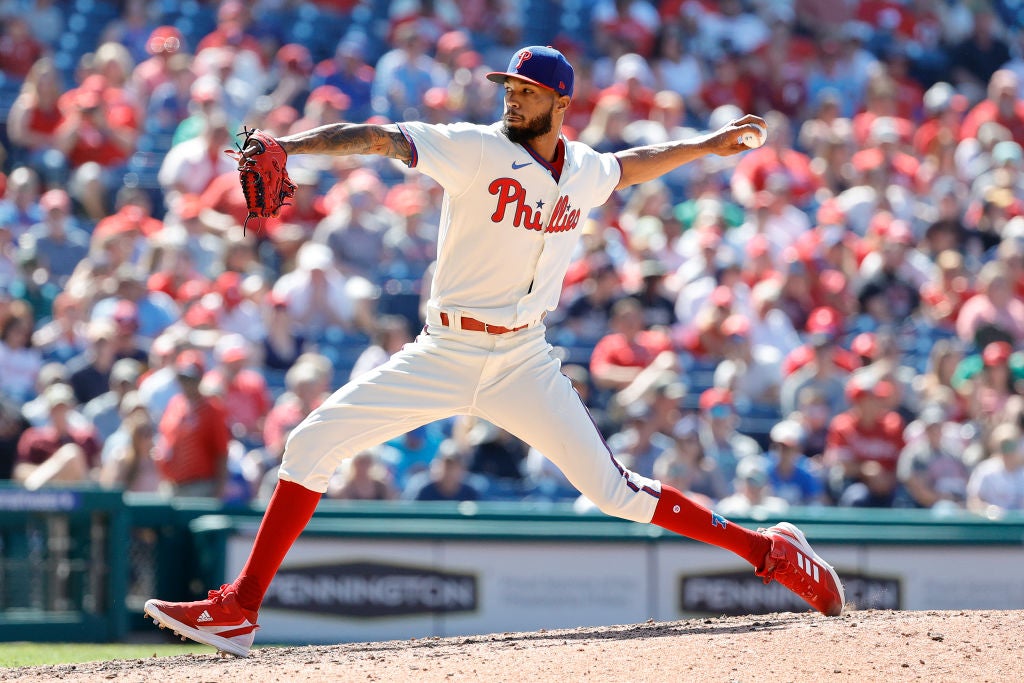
(858, 646)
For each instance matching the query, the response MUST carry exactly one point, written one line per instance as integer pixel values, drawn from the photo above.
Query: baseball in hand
(754, 140)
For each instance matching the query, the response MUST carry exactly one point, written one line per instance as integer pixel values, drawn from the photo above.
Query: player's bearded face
(530, 128)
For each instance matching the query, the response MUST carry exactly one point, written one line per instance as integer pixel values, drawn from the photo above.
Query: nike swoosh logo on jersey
(516, 167)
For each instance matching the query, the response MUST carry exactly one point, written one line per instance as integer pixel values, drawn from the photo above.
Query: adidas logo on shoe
(204, 617)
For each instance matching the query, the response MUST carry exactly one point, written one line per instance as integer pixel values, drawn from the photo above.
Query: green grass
(39, 654)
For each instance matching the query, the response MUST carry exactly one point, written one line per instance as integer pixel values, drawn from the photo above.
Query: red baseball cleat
(218, 621)
(796, 566)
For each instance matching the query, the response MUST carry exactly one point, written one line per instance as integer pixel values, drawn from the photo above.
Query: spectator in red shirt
(35, 117)
(943, 111)
(163, 43)
(58, 452)
(97, 136)
(1002, 106)
(776, 156)
(19, 50)
(232, 23)
(620, 357)
(192, 451)
(243, 390)
(864, 445)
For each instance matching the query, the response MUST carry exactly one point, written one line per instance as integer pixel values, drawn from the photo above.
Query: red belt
(474, 325)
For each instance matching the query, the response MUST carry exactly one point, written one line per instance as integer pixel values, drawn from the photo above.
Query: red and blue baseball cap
(541, 65)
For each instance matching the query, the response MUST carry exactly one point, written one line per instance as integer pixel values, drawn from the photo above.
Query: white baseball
(754, 140)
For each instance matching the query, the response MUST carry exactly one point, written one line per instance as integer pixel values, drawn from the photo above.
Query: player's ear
(562, 103)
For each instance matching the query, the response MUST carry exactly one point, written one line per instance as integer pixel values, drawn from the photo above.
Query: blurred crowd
(836, 318)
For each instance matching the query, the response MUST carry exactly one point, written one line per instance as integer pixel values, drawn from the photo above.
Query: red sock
(678, 513)
(288, 513)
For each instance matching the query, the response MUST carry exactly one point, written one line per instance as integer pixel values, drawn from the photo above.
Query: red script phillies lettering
(511, 193)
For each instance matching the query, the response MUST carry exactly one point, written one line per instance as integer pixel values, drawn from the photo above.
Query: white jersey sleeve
(451, 154)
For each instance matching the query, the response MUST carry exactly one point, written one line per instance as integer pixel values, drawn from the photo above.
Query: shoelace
(216, 596)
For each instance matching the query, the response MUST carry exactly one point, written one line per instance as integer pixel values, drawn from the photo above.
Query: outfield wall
(77, 564)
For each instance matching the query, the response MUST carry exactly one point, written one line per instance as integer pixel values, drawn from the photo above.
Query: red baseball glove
(264, 178)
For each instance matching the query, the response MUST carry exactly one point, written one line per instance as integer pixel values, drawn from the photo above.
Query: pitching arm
(640, 164)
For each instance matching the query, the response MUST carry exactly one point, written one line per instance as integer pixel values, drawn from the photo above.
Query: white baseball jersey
(508, 229)
(507, 234)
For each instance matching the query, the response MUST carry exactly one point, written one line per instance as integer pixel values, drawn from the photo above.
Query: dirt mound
(858, 646)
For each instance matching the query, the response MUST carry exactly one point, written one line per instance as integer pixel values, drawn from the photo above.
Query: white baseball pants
(511, 380)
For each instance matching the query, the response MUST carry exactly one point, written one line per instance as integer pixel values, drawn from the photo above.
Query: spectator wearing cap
(306, 387)
(160, 383)
(864, 444)
(447, 478)
(993, 390)
(283, 344)
(996, 484)
(90, 370)
(793, 477)
(977, 58)
(58, 241)
(1002, 106)
(687, 465)
(827, 321)
(586, 312)
(362, 477)
(316, 293)
(887, 296)
(19, 360)
(749, 370)
(37, 410)
(326, 104)
(404, 74)
(58, 452)
(391, 333)
(154, 311)
(994, 306)
(638, 444)
(64, 335)
(349, 72)
(205, 99)
(409, 245)
(242, 390)
(232, 32)
(192, 447)
(944, 294)
(628, 349)
(930, 468)
(238, 314)
(356, 223)
(776, 157)
(189, 167)
(769, 325)
(130, 465)
(719, 437)
(704, 338)
(290, 76)
(104, 411)
(149, 74)
(821, 372)
(944, 111)
(659, 307)
(753, 492)
(20, 204)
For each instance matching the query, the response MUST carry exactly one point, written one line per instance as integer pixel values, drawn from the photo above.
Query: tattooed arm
(350, 138)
